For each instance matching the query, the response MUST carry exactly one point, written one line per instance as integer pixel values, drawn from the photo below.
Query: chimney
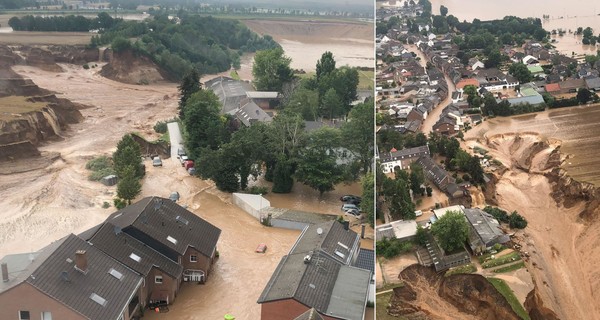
(362, 231)
(346, 225)
(81, 262)
(4, 272)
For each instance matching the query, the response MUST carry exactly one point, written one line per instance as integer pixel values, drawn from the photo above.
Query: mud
(428, 295)
(127, 67)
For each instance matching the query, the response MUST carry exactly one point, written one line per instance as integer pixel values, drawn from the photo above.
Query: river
(566, 15)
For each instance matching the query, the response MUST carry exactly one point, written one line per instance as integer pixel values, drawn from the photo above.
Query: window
(46, 315)
(24, 315)
(193, 258)
(135, 257)
(115, 273)
(98, 299)
(158, 279)
(172, 240)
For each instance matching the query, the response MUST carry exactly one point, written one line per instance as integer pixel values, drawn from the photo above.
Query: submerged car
(156, 162)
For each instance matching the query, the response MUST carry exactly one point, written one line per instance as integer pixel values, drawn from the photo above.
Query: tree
(282, 176)
(204, 126)
(271, 70)
(520, 71)
(332, 104)
(515, 220)
(120, 44)
(305, 102)
(190, 84)
(357, 133)
(584, 95)
(443, 10)
(325, 65)
(417, 178)
(344, 81)
(128, 154)
(493, 59)
(129, 185)
(421, 236)
(368, 197)
(451, 231)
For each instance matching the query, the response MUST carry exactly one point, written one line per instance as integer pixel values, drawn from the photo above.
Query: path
(175, 138)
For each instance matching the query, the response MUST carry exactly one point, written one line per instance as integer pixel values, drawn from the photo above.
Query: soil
(560, 242)
(428, 295)
(128, 68)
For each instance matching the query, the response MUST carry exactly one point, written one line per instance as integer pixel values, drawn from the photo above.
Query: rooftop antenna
(157, 204)
(117, 230)
(65, 276)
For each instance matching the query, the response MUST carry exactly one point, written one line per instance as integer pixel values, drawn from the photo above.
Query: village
(434, 84)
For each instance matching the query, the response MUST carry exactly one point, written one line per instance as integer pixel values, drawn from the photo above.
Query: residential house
(460, 85)
(172, 231)
(494, 79)
(264, 99)
(402, 158)
(433, 255)
(530, 60)
(571, 85)
(475, 64)
(251, 113)
(69, 279)
(403, 230)
(419, 113)
(231, 92)
(593, 84)
(485, 230)
(318, 273)
(440, 177)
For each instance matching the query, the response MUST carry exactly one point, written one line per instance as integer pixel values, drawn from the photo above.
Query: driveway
(175, 138)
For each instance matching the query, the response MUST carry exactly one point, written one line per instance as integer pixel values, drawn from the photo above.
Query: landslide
(561, 239)
(129, 67)
(428, 295)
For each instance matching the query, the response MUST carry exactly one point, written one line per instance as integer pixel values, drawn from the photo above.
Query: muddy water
(577, 128)
(563, 15)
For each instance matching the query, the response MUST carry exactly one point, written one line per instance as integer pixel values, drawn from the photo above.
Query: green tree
(368, 197)
(120, 44)
(129, 185)
(493, 59)
(451, 231)
(584, 95)
(421, 236)
(332, 104)
(325, 65)
(520, 71)
(358, 133)
(443, 10)
(204, 126)
(282, 176)
(128, 154)
(317, 166)
(305, 102)
(190, 84)
(515, 220)
(271, 70)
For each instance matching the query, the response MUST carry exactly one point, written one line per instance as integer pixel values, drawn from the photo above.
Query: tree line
(70, 23)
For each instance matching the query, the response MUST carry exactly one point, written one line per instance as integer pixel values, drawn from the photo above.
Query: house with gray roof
(485, 230)
(251, 113)
(69, 279)
(440, 177)
(231, 92)
(402, 158)
(172, 231)
(318, 273)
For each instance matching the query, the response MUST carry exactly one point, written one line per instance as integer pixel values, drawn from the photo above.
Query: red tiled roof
(465, 82)
(552, 87)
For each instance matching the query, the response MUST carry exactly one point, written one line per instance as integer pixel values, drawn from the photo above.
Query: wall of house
(24, 297)
(204, 263)
(287, 309)
(165, 291)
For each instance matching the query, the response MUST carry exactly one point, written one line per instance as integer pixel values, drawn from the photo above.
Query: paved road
(176, 139)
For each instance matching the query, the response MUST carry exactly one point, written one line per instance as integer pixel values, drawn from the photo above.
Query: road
(175, 138)
(434, 115)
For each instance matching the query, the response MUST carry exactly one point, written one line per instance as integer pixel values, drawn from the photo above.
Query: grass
(12, 106)
(510, 268)
(381, 304)
(234, 75)
(507, 292)
(365, 79)
(469, 268)
(513, 256)
(484, 257)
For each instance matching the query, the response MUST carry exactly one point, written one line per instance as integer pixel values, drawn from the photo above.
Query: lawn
(12, 106)
(469, 268)
(513, 256)
(505, 290)
(365, 79)
(510, 268)
(381, 307)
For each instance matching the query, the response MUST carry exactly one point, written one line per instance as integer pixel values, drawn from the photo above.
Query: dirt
(129, 68)
(391, 267)
(428, 295)
(560, 241)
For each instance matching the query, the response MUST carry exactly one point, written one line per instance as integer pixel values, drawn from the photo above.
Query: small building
(438, 213)
(318, 273)
(402, 230)
(264, 99)
(402, 158)
(251, 113)
(440, 177)
(485, 230)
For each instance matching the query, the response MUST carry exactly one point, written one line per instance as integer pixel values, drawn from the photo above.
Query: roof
(433, 170)
(168, 223)
(533, 100)
(310, 314)
(396, 229)
(592, 83)
(486, 227)
(57, 278)
(552, 87)
(405, 153)
(466, 82)
(262, 94)
(442, 211)
(230, 92)
(250, 113)
(331, 238)
(572, 84)
(349, 296)
(365, 260)
(124, 248)
(535, 69)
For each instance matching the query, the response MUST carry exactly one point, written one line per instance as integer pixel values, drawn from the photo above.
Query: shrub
(161, 126)
(86, 66)
(100, 167)
(119, 203)
(105, 205)
(515, 220)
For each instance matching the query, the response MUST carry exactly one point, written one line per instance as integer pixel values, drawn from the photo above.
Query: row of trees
(129, 169)
(70, 23)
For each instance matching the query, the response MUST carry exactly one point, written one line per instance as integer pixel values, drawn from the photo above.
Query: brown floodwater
(577, 128)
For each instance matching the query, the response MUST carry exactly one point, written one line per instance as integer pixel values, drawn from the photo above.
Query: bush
(161, 126)
(100, 167)
(393, 247)
(119, 203)
(515, 220)
(105, 205)
(86, 66)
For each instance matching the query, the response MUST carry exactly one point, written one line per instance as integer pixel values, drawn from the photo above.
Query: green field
(505, 290)
(11, 107)
(510, 268)
(513, 256)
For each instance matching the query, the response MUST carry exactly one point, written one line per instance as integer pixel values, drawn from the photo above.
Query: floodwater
(566, 15)
(576, 127)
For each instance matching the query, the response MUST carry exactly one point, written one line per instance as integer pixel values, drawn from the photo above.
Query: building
(440, 177)
(251, 113)
(402, 230)
(485, 230)
(231, 92)
(264, 99)
(433, 255)
(319, 273)
(69, 279)
(438, 213)
(402, 158)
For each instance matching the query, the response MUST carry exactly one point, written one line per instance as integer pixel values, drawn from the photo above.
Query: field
(11, 107)
(30, 38)
(503, 288)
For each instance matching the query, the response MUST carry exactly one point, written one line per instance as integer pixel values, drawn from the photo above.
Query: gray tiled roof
(349, 298)
(75, 292)
(230, 92)
(120, 246)
(408, 153)
(365, 260)
(333, 238)
(310, 314)
(486, 227)
(250, 113)
(157, 218)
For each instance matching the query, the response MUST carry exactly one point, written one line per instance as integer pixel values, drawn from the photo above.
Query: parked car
(183, 159)
(351, 199)
(348, 206)
(156, 162)
(353, 212)
(180, 151)
(418, 213)
(261, 248)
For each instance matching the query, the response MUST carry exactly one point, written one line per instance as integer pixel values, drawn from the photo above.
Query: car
(180, 151)
(418, 213)
(351, 199)
(348, 206)
(262, 248)
(353, 212)
(156, 162)
(183, 159)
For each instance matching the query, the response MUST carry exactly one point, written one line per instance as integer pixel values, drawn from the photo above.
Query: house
(456, 191)
(571, 85)
(527, 96)
(402, 158)
(162, 276)
(446, 125)
(417, 114)
(172, 231)
(434, 255)
(475, 64)
(251, 113)
(438, 213)
(593, 84)
(466, 82)
(319, 273)
(440, 177)
(530, 60)
(553, 88)
(69, 279)
(402, 230)
(264, 99)
(485, 230)
(231, 92)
